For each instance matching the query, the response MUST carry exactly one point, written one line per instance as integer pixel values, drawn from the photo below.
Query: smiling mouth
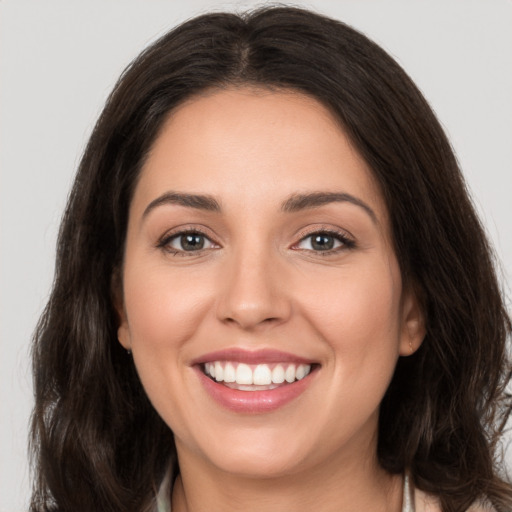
(255, 377)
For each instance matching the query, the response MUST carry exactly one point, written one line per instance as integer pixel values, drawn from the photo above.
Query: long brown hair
(97, 442)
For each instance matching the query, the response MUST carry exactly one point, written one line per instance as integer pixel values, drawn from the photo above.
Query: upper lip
(251, 356)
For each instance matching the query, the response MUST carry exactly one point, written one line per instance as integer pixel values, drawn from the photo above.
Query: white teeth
(219, 372)
(289, 374)
(243, 374)
(257, 375)
(278, 374)
(301, 372)
(262, 375)
(229, 373)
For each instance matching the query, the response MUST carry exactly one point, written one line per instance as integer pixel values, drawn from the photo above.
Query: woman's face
(259, 250)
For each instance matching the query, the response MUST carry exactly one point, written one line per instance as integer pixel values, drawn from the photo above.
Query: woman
(272, 290)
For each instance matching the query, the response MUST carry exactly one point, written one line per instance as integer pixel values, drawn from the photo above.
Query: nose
(253, 292)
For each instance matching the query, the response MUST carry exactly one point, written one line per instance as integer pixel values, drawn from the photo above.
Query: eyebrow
(295, 203)
(198, 201)
(298, 202)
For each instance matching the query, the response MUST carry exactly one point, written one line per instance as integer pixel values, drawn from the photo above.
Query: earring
(411, 347)
(128, 351)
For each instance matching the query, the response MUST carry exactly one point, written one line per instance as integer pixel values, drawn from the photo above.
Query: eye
(324, 241)
(190, 241)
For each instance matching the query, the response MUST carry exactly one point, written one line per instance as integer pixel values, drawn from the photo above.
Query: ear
(123, 331)
(123, 334)
(413, 323)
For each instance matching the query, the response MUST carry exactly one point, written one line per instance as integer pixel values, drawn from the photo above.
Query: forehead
(254, 145)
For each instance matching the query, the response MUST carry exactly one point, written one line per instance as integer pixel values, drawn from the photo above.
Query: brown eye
(187, 242)
(191, 242)
(325, 241)
(322, 242)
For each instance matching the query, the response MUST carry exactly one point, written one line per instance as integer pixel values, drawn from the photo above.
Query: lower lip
(254, 402)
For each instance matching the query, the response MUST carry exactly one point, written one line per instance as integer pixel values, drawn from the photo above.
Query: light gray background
(59, 60)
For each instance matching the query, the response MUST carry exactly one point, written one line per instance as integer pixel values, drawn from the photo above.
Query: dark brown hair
(97, 442)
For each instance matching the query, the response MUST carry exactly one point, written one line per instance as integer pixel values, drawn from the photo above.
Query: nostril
(247, 322)
(252, 296)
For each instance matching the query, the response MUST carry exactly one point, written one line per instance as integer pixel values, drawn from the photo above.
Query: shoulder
(427, 503)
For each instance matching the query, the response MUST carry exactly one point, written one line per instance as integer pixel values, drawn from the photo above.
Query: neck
(331, 487)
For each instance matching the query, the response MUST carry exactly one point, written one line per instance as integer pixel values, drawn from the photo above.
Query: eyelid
(347, 240)
(168, 236)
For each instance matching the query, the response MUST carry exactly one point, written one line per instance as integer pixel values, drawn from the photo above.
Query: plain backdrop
(58, 62)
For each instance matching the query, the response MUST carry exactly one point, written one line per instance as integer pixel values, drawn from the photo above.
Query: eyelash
(347, 243)
(165, 241)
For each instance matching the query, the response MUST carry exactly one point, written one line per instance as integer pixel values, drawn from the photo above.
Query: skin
(258, 283)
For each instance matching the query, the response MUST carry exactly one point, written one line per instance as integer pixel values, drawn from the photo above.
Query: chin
(260, 464)
(259, 453)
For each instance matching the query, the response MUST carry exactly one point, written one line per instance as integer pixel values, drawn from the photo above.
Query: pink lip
(251, 357)
(252, 402)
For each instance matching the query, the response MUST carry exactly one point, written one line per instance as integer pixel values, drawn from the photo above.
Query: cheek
(358, 315)
(163, 307)
(164, 310)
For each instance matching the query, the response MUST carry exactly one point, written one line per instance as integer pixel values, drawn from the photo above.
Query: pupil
(322, 242)
(192, 242)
